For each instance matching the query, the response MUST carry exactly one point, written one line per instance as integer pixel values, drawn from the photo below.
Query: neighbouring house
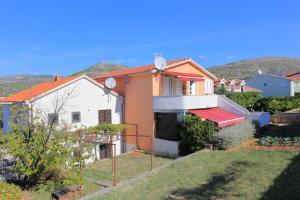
(86, 103)
(233, 85)
(156, 100)
(295, 77)
(273, 85)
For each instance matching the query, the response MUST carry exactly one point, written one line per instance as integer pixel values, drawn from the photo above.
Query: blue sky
(62, 37)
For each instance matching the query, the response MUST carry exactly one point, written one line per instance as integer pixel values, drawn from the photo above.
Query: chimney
(57, 78)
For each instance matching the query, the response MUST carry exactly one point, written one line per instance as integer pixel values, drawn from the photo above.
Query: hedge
(233, 135)
(253, 101)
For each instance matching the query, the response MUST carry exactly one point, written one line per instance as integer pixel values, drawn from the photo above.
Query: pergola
(106, 137)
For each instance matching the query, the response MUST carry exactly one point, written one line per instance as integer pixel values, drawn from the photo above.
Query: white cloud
(203, 57)
(230, 57)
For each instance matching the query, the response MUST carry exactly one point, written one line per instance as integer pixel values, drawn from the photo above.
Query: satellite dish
(259, 72)
(110, 83)
(160, 62)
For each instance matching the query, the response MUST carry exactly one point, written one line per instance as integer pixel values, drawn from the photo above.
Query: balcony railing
(184, 102)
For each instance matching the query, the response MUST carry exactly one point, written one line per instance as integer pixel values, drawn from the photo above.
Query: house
(273, 85)
(233, 85)
(85, 103)
(153, 100)
(295, 77)
(156, 100)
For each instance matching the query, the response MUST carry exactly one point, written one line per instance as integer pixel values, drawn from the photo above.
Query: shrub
(255, 102)
(297, 141)
(9, 191)
(245, 99)
(195, 133)
(233, 135)
(269, 141)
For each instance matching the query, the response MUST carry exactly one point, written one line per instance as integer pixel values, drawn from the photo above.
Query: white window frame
(208, 86)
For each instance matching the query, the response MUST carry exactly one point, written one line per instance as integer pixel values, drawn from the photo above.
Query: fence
(286, 118)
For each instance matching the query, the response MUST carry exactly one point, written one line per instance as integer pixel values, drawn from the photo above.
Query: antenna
(159, 61)
(110, 83)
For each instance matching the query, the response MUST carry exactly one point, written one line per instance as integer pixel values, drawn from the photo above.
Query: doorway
(104, 151)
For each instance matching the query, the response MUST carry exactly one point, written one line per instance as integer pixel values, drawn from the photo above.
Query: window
(104, 116)
(166, 126)
(76, 117)
(192, 88)
(232, 86)
(52, 118)
(208, 86)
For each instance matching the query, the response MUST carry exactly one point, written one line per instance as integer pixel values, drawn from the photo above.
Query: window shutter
(108, 116)
(104, 116)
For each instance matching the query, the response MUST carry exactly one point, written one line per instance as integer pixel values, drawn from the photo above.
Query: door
(105, 151)
(192, 88)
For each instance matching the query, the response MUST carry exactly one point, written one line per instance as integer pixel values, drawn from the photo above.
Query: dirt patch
(252, 145)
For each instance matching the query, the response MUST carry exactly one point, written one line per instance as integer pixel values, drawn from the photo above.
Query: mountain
(247, 68)
(13, 83)
(101, 68)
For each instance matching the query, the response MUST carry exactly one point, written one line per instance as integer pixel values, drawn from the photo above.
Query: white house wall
(81, 96)
(271, 85)
(87, 98)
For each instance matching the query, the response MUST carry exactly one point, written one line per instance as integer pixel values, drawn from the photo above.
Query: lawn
(128, 165)
(44, 191)
(236, 174)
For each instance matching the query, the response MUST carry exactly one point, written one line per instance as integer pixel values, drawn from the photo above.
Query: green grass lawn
(44, 191)
(128, 165)
(239, 174)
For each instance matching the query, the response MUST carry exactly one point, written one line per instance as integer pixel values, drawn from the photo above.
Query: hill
(101, 68)
(14, 83)
(250, 67)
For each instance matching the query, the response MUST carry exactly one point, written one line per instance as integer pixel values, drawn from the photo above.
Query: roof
(291, 73)
(140, 69)
(247, 88)
(218, 115)
(37, 90)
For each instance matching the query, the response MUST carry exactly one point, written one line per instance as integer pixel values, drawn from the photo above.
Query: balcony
(184, 102)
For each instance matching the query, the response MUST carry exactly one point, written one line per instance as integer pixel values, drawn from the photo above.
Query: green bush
(253, 101)
(194, 134)
(9, 191)
(297, 141)
(270, 141)
(245, 99)
(233, 135)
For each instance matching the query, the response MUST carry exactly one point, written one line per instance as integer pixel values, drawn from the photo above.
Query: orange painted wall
(120, 87)
(184, 68)
(139, 108)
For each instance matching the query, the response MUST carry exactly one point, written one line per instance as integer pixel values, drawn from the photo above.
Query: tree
(43, 148)
(246, 99)
(194, 133)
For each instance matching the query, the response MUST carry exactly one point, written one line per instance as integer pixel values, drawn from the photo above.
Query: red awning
(218, 115)
(185, 76)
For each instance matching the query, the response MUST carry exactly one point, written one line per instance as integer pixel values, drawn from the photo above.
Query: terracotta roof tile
(36, 90)
(135, 70)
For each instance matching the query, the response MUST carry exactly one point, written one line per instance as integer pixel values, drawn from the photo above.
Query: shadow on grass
(215, 185)
(287, 184)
